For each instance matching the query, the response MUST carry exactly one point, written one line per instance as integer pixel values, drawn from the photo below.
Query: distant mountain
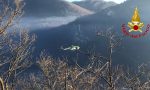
(83, 32)
(95, 5)
(53, 8)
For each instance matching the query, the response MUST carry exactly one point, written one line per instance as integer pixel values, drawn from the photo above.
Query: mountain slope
(95, 5)
(132, 50)
(53, 8)
(83, 31)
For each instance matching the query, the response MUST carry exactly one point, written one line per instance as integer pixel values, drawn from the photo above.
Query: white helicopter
(71, 48)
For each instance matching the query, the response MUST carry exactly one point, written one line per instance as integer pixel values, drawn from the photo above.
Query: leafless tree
(15, 49)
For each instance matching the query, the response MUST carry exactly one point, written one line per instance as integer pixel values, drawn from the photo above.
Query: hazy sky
(117, 1)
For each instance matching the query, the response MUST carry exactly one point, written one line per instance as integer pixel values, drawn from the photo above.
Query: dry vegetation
(16, 57)
(14, 54)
